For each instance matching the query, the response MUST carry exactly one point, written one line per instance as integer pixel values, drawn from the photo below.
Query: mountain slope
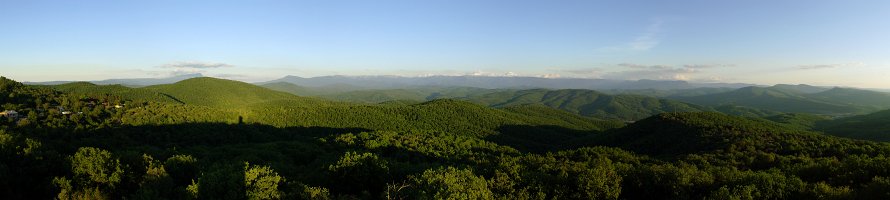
(676, 134)
(309, 91)
(133, 82)
(411, 93)
(874, 126)
(147, 81)
(800, 121)
(218, 93)
(394, 82)
(854, 97)
(447, 115)
(587, 103)
(800, 88)
(745, 111)
(94, 90)
(773, 99)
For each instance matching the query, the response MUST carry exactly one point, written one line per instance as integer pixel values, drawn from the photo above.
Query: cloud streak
(830, 66)
(589, 71)
(707, 66)
(196, 65)
(664, 72)
(649, 38)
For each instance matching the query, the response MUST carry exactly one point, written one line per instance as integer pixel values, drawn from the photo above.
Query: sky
(838, 43)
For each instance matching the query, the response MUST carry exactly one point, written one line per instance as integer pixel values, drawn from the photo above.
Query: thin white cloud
(638, 66)
(648, 39)
(586, 71)
(831, 66)
(186, 71)
(550, 76)
(689, 72)
(196, 65)
(487, 73)
(188, 68)
(705, 66)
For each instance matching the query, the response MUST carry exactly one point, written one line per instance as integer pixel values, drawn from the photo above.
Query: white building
(10, 114)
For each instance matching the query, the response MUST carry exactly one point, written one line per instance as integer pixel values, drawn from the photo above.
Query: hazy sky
(766, 42)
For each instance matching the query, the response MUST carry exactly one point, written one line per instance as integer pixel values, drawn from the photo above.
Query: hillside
(255, 104)
(672, 93)
(587, 103)
(491, 82)
(410, 93)
(94, 90)
(801, 121)
(774, 99)
(854, 97)
(377, 96)
(800, 88)
(455, 116)
(348, 93)
(745, 111)
(303, 150)
(677, 134)
(874, 126)
(218, 93)
(309, 91)
(132, 82)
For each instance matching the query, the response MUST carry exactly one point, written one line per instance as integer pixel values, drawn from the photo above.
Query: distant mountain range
(828, 107)
(798, 99)
(134, 82)
(623, 98)
(390, 82)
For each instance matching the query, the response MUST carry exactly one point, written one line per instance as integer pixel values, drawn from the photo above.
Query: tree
(358, 172)
(261, 182)
(95, 166)
(599, 182)
(450, 183)
(95, 173)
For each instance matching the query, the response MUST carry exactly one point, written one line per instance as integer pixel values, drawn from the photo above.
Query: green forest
(208, 138)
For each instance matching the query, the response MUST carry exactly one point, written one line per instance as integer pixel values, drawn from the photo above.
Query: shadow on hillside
(537, 139)
(192, 134)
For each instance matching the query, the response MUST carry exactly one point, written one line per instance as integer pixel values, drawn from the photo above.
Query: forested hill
(314, 91)
(442, 115)
(673, 134)
(95, 145)
(218, 93)
(874, 126)
(777, 99)
(584, 102)
(855, 97)
(113, 90)
(587, 103)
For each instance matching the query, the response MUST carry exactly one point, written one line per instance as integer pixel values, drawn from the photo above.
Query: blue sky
(766, 42)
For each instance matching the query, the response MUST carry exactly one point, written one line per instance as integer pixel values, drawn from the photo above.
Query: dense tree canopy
(76, 144)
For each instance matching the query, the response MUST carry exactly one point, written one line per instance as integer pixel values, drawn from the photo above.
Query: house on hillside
(10, 114)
